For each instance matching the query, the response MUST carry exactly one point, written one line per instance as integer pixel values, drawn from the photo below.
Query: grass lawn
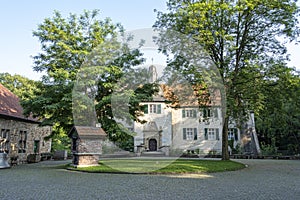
(161, 166)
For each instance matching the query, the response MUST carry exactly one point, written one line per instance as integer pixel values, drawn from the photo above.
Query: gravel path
(263, 179)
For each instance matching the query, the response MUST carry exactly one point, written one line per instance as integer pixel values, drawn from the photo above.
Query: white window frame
(189, 133)
(155, 108)
(152, 108)
(211, 134)
(189, 113)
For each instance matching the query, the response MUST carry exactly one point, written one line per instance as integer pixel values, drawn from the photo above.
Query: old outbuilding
(20, 136)
(86, 145)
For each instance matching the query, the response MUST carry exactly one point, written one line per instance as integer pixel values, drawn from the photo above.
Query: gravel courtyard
(263, 179)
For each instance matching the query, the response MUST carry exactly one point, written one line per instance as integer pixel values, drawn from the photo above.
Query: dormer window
(152, 108)
(189, 113)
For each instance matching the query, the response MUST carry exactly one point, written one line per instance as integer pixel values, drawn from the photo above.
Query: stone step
(153, 153)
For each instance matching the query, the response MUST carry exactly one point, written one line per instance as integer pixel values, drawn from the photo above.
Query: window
(188, 113)
(210, 112)
(190, 133)
(5, 134)
(211, 134)
(22, 141)
(152, 108)
(36, 146)
(233, 134)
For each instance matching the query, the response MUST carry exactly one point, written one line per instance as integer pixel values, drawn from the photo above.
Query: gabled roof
(87, 131)
(10, 105)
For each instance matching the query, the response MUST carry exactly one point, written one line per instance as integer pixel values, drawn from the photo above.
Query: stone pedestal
(85, 159)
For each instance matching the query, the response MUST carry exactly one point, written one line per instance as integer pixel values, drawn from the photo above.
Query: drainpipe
(254, 134)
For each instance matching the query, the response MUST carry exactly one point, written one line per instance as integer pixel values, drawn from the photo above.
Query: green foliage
(241, 38)
(21, 86)
(280, 119)
(60, 141)
(231, 143)
(84, 65)
(65, 44)
(269, 149)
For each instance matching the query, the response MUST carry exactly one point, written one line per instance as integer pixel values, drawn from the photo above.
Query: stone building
(22, 135)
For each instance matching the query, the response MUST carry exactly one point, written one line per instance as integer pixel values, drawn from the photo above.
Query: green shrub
(268, 149)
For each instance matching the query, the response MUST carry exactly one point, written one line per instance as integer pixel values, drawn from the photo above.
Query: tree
(243, 38)
(278, 122)
(64, 44)
(72, 48)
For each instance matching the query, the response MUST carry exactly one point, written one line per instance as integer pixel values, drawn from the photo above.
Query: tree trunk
(225, 154)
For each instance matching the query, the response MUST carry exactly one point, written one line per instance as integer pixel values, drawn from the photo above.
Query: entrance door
(152, 145)
(36, 146)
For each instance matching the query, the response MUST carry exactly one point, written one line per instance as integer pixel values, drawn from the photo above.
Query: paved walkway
(263, 179)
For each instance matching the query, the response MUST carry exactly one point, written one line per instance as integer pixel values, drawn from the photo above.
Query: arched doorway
(152, 145)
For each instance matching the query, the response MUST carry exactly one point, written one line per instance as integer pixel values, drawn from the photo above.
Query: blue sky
(20, 18)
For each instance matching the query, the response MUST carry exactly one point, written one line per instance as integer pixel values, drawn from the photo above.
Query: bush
(268, 149)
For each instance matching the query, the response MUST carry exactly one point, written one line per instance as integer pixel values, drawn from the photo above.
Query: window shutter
(145, 108)
(25, 135)
(194, 113)
(217, 134)
(183, 113)
(204, 112)
(195, 133)
(235, 134)
(216, 113)
(158, 108)
(184, 133)
(205, 134)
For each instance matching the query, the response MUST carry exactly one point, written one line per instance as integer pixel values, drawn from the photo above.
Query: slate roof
(10, 105)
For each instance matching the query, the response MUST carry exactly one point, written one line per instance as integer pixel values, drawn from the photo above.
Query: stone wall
(89, 145)
(24, 138)
(88, 160)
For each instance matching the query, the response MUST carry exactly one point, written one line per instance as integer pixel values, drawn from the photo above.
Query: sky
(20, 18)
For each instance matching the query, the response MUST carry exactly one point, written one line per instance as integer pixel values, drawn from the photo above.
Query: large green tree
(65, 42)
(243, 38)
(74, 47)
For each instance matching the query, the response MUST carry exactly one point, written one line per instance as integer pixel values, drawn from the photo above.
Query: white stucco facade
(183, 128)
